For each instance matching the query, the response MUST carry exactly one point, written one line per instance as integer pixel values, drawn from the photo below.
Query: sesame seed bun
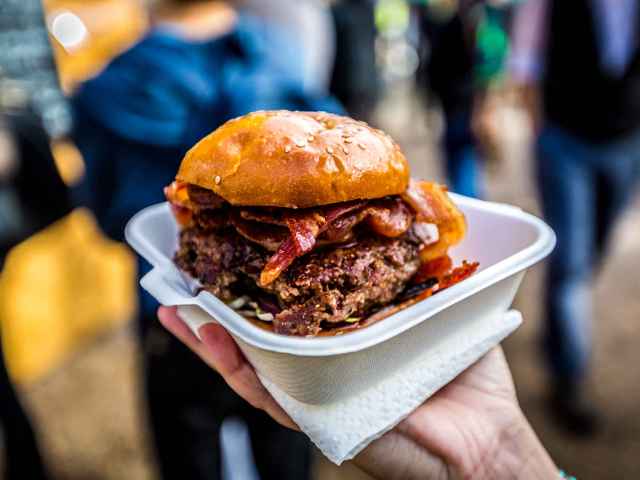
(296, 160)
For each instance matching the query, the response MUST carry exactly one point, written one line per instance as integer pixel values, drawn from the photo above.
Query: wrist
(521, 454)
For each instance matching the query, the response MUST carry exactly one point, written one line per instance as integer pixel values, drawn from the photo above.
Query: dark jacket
(136, 120)
(579, 94)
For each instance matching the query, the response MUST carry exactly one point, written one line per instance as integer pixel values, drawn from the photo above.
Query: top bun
(296, 160)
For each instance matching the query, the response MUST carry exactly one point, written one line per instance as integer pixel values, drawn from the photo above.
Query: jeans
(461, 155)
(584, 188)
(187, 402)
(22, 456)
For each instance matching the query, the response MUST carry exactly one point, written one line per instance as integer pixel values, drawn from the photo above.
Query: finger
(218, 350)
(170, 320)
(426, 428)
(489, 375)
(239, 374)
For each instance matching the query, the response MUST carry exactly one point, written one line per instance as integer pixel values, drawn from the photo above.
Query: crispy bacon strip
(433, 268)
(421, 203)
(341, 229)
(332, 213)
(203, 198)
(390, 218)
(284, 257)
(305, 229)
(176, 193)
(432, 205)
(186, 199)
(306, 226)
(183, 215)
(457, 275)
(178, 198)
(263, 216)
(191, 196)
(267, 235)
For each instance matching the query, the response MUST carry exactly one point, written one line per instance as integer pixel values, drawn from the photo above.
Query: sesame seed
(301, 143)
(311, 138)
(329, 150)
(287, 149)
(361, 145)
(347, 140)
(218, 179)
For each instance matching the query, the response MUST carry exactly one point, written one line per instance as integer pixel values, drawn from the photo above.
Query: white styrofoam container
(504, 239)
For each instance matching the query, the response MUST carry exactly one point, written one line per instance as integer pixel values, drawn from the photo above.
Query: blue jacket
(136, 120)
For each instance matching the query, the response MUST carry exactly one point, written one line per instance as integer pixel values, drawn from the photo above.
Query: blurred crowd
(112, 141)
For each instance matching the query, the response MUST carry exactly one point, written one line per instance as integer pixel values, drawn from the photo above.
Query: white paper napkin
(341, 430)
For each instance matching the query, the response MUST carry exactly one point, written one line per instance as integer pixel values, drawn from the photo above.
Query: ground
(91, 422)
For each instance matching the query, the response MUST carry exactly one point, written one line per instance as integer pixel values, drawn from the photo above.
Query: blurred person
(201, 64)
(456, 71)
(32, 195)
(21, 452)
(35, 119)
(309, 22)
(35, 122)
(448, 36)
(577, 66)
(472, 428)
(355, 80)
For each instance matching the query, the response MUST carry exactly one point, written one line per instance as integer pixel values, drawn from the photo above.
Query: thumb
(395, 456)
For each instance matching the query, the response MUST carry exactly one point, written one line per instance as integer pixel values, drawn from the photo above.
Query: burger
(308, 223)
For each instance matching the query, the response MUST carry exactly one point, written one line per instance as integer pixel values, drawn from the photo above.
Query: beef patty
(319, 290)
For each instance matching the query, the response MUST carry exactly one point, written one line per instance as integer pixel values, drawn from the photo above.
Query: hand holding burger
(472, 428)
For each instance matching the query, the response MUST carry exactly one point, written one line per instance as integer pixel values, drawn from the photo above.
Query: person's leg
(618, 169)
(185, 401)
(186, 404)
(22, 456)
(279, 453)
(566, 185)
(461, 155)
